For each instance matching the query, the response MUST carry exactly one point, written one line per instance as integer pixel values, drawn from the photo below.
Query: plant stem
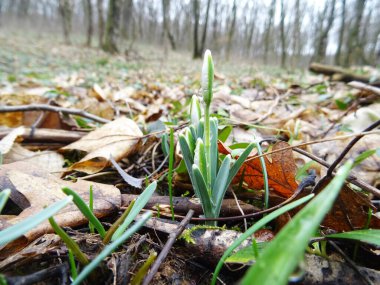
(171, 166)
(207, 147)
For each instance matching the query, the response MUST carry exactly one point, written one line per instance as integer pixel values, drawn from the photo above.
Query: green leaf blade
(85, 210)
(371, 236)
(137, 207)
(17, 230)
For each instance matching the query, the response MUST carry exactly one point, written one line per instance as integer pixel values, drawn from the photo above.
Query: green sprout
(199, 146)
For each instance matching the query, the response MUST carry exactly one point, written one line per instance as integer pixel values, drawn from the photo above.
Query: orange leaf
(281, 170)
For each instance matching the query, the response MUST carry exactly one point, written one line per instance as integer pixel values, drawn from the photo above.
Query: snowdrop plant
(199, 146)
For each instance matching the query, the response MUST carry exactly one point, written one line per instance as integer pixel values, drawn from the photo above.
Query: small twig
(43, 107)
(164, 252)
(332, 167)
(350, 262)
(349, 146)
(240, 209)
(365, 87)
(315, 142)
(351, 178)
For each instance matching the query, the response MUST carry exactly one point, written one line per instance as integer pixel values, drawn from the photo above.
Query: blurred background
(272, 32)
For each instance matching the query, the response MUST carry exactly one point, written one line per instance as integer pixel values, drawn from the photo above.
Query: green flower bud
(195, 111)
(207, 77)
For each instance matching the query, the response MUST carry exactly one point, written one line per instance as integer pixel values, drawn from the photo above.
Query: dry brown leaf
(50, 161)
(33, 189)
(280, 167)
(7, 142)
(118, 139)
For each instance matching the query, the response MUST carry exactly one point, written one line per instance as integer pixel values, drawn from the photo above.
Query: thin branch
(164, 252)
(351, 178)
(43, 107)
(350, 263)
(365, 87)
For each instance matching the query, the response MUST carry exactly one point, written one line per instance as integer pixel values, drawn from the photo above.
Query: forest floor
(303, 120)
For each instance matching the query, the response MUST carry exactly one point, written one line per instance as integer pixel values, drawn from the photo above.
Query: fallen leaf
(50, 161)
(350, 212)
(33, 189)
(280, 167)
(118, 139)
(7, 142)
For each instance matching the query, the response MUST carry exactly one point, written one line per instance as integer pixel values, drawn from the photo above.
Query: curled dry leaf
(280, 167)
(33, 188)
(7, 142)
(118, 139)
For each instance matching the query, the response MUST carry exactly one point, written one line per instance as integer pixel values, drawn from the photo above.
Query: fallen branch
(43, 107)
(365, 87)
(51, 135)
(338, 73)
(183, 204)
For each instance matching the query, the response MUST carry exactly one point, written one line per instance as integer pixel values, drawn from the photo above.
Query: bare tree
(203, 40)
(65, 11)
(341, 33)
(88, 13)
(268, 29)
(126, 17)
(250, 29)
(324, 27)
(296, 46)
(196, 53)
(355, 49)
(112, 26)
(231, 31)
(100, 22)
(282, 31)
(166, 28)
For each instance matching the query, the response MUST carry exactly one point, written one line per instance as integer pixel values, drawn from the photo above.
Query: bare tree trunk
(112, 27)
(231, 31)
(126, 17)
(88, 12)
(203, 41)
(251, 30)
(196, 53)
(215, 25)
(341, 33)
(282, 29)
(23, 8)
(354, 47)
(65, 11)
(100, 22)
(165, 9)
(296, 47)
(268, 29)
(322, 39)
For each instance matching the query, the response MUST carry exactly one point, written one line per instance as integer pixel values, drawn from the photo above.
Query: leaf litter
(291, 107)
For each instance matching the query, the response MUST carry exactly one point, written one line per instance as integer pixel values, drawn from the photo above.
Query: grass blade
(70, 243)
(118, 222)
(200, 157)
(111, 247)
(283, 254)
(73, 266)
(371, 236)
(29, 223)
(4, 195)
(258, 225)
(214, 149)
(139, 204)
(91, 205)
(82, 206)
